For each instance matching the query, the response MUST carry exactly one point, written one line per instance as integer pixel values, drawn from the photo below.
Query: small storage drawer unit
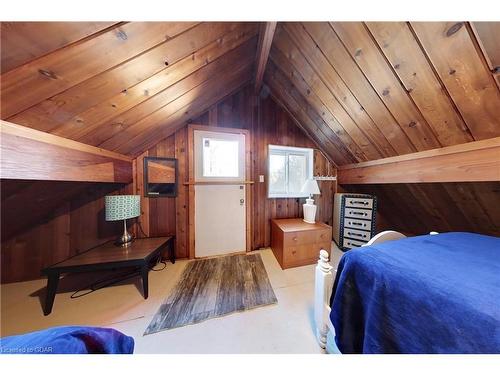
(353, 219)
(296, 243)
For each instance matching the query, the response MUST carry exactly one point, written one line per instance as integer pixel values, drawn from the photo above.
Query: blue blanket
(425, 294)
(69, 340)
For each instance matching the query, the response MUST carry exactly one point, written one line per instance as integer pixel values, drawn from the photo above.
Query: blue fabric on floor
(69, 340)
(425, 294)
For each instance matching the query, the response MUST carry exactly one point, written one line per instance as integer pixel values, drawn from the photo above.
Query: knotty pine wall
(416, 209)
(268, 124)
(45, 222)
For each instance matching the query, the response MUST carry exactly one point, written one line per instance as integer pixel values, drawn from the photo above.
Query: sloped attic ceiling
(362, 91)
(366, 91)
(120, 86)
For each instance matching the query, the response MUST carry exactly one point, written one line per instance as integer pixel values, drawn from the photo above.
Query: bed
(69, 340)
(437, 293)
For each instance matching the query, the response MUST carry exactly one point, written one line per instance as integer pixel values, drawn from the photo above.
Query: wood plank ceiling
(362, 91)
(120, 86)
(366, 91)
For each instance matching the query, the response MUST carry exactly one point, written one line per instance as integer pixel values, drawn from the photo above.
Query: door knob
(242, 201)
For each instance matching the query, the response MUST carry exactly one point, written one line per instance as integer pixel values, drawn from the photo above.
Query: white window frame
(199, 135)
(286, 150)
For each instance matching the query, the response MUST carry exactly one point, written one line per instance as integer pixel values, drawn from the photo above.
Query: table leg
(144, 274)
(52, 281)
(171, 249)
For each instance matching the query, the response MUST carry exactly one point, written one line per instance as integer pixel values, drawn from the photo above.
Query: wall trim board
(31, 154)
(469, 162)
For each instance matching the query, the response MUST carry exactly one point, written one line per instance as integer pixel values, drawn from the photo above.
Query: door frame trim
(191, 186)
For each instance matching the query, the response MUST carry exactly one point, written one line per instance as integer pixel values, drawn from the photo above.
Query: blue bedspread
(69, 340)
(425, 294)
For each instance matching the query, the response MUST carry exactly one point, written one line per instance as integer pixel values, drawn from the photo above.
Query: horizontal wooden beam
(468, 162)
(265, 41)
(28, 154)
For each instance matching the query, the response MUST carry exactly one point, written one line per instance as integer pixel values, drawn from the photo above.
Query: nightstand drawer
(359, 202)
(358, 213)
(300, 238)
(323, 236)
(347, 242)
(296, 254)
(357, 224)
(357, 234)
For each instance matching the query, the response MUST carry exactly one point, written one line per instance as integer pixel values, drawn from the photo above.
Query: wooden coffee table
(109, 257)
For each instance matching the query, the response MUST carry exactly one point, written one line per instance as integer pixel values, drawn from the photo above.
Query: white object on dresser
(353, 219)
(310, 187)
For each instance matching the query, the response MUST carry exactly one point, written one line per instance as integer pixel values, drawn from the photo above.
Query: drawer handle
(359, 224)
(358, 213)
(356, 234)
(361, 202)
(294, 252)
(295, 238)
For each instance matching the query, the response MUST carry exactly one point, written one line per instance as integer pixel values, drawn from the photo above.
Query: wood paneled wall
(268, 124)
(420, 208)
(45, 222)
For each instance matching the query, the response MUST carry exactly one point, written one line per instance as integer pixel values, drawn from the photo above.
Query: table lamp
(310, 187)
(123, 207)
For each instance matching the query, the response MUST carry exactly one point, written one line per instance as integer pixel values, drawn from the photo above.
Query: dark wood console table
(107, 257)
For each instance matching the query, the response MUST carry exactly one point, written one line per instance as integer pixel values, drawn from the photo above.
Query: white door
(220, 204)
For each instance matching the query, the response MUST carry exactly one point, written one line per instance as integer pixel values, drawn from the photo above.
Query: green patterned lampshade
(120, 207)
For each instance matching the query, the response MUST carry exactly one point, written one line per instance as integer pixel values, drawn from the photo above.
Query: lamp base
(126, 238)
(309, 211)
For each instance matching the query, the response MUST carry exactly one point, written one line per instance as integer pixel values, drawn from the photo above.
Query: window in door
(219, 156)
(289, 168)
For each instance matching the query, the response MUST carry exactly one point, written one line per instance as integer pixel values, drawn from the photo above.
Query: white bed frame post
(323, 288)
(323, 285)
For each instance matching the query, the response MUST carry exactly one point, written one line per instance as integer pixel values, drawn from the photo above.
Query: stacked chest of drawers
(353, 219)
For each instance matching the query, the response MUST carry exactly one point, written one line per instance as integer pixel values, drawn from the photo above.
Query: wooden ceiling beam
(29, 154)
(265, 41)
(468, 162)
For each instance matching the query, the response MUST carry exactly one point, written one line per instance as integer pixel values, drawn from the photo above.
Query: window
(289, 168)
(220, 158)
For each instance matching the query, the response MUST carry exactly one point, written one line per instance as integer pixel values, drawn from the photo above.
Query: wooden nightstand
(297, 243)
